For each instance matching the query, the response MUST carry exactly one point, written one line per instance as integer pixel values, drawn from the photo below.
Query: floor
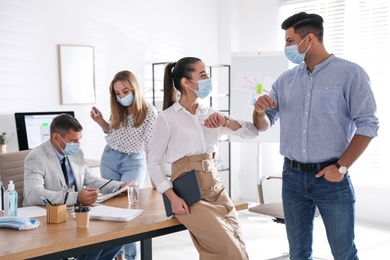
(266, 240)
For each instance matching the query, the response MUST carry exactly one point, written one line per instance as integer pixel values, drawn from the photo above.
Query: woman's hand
(215, 120)
(96, 115)
(179, 206)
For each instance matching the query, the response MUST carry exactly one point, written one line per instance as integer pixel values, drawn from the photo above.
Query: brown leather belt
(309, 167)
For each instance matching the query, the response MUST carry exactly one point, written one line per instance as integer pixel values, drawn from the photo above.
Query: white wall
(258, 31)
(259, 26)
(126, 34)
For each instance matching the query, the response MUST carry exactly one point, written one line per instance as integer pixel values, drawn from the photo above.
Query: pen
(66, 197)
(46, 201)
(105, 184)
(49, 202)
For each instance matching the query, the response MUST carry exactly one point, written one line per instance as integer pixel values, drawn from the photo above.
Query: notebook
(187, 188)
(103, 212)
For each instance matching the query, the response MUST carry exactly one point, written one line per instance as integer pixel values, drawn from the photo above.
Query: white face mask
(292, 53)
(70, 148)
(205, 87)
(126, 100)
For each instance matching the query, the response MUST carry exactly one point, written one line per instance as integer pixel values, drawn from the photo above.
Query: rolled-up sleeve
(247, 130)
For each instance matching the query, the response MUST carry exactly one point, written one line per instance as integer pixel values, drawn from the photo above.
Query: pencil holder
(56, 214)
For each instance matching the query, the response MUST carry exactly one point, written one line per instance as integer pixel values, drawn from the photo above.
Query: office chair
(273, 209)
(12, 168)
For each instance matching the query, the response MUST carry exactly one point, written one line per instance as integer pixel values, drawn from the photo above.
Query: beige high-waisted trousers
(213, 223)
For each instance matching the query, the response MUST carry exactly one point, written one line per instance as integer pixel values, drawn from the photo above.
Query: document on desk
(105, 197)
(32, 211)
(103, 212)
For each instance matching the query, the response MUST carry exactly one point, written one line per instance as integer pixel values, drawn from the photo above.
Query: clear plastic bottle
(11, 200)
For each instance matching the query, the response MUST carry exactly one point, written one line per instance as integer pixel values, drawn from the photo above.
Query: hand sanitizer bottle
(11, 201)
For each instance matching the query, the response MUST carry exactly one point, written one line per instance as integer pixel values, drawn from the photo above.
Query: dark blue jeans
(105, 254)
(302, 192)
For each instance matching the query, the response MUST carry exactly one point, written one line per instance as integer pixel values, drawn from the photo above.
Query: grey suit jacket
(43, 176)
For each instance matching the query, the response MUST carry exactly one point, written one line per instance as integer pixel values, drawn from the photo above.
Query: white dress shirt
(177, 133)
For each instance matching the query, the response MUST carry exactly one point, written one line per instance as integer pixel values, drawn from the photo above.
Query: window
(358, 30)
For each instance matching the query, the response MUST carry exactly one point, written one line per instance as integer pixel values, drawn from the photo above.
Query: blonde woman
(128, 135)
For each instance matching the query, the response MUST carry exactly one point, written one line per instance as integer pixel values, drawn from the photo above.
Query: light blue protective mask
(20, 223)
(70, 148)
(126, 100)
(292, 53)
(205, 87)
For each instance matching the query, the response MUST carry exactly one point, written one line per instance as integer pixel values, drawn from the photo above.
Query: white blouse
(178, 133)
(133, 140)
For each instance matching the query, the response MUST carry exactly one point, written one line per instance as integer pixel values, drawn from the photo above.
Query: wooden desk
(55, 241)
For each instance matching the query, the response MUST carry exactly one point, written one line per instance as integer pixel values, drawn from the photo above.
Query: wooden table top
(51, 238)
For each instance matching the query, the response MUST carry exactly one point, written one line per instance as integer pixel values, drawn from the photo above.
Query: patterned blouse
(133, 140)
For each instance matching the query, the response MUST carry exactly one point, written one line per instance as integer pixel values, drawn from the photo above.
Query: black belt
(309, 166)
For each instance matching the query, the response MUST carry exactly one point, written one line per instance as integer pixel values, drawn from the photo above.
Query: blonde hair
(139, 106)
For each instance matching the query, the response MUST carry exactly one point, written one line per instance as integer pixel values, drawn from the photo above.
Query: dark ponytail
(174, 72)
(169, 88)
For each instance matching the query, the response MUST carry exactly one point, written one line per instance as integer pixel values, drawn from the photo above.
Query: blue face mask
(70, 148)
(126, 100)
(292, 53)
(204, 87)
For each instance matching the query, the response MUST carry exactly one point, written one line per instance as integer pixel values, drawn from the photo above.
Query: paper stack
(105, 197)
(113, 214)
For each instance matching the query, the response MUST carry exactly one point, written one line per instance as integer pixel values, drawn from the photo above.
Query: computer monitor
(33, 128)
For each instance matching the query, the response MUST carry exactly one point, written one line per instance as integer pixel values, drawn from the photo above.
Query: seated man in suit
(44, 177)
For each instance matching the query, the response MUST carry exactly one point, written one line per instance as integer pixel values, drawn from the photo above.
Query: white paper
(105, 197)
(33, 211)
(267, 84)
(103, 212)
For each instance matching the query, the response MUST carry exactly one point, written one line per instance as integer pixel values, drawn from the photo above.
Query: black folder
(187, 188)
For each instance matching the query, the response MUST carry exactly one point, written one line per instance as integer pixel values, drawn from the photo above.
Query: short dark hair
(304, 23)
(63, 123)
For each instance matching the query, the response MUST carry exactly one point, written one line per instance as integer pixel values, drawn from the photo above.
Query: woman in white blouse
(186, 135)
(128, 135)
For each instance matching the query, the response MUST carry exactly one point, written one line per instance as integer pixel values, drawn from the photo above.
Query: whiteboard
(251, 73)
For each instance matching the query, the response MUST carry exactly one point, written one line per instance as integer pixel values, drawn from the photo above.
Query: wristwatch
(342, 169)
(227, 122)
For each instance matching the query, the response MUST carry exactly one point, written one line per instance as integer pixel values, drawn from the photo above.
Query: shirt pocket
(325, 99)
